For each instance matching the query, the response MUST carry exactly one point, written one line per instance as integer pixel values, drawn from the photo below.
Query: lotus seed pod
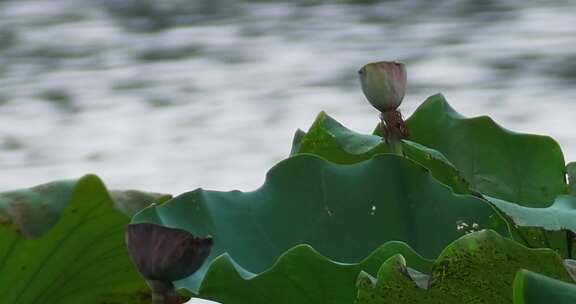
(383, 84)
(166, 254)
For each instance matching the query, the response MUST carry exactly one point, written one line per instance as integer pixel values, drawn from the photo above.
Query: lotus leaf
(551, 227)
(534, 288)
(520, 168)
(329, 139)
(301, 275)
(477, 268)
(343, 211)
(63, 243)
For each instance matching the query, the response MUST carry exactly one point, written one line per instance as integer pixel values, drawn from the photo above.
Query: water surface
(174, 96)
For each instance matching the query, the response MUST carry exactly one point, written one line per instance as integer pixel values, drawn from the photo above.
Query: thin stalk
(158, 298)
(394, 129)
(395, 147)
(163, 293)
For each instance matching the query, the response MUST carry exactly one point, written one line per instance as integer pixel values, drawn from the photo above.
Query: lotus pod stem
(395, 127)
(164, 293)
(384, 85)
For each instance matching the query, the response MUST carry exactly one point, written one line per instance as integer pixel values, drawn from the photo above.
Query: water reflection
(172, 95)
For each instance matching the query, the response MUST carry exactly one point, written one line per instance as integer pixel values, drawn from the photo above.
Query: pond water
(174, 95)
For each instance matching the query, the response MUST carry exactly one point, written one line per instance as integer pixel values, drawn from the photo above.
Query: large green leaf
(551, 227)
(534, 288)
(343, 211)
(63, 243)
(301, 275)
(331, 140)
(521, 168)
(560, 215)
(477, 268)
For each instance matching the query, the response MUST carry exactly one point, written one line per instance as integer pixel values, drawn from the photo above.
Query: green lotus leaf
(301, 275)
(343, 211)
(477, 268)
(550, 227)
(63, 242)
(559, 216)
(520, 168)
(534, 288)
(296, 140)
(330, 140)
(439, 166)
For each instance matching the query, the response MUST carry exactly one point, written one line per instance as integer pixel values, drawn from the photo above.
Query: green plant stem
(157, 298)
(394, 130)
(163, 292)
(395, 147)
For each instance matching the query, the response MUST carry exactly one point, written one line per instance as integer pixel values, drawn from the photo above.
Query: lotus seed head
(166, 254)
(383, 84)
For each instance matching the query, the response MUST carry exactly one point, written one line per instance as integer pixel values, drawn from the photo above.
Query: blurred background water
(175, 94)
